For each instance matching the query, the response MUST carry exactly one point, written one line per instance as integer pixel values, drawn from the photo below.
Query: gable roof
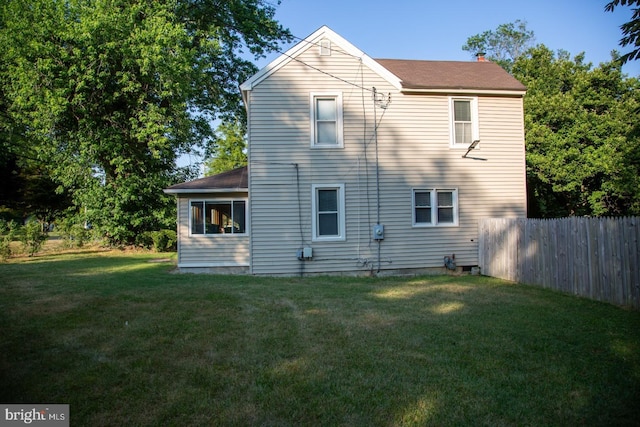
(226, 182)
(312, 41)
(452, 76)
(405, 75)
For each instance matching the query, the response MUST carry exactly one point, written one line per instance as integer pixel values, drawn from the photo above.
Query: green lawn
(126, 343)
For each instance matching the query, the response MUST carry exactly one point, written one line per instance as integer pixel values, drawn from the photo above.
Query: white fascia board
(467, 92)
(313, 40)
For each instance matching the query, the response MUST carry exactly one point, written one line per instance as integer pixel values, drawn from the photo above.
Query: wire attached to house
(364, 143)
(302, 241)
(331, 49)
(375, 137)
(322, 71)
(379, 99)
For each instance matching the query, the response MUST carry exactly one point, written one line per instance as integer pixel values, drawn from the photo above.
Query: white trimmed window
(328, 221)
(326, 120)
(435, 207)
(464, 121)
(218, 217)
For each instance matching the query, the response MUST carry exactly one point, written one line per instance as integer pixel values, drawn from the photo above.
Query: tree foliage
(228, 148)
(504, 45)
(110, 92)
(582, 129)
(630, 30)
(583, 146)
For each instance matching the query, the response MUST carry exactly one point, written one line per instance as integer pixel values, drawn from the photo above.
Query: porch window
(218, 217)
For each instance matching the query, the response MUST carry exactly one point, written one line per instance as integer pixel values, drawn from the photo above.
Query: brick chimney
(480, 56)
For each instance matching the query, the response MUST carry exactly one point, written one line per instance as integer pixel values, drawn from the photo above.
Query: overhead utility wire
(331, 49)
(375, 127)
(324, 72)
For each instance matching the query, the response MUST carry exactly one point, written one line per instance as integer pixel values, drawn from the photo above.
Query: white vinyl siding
(464, 121)
(414, 153)
(326, 120)
(328, 212)
(203, 250)
(435, 207)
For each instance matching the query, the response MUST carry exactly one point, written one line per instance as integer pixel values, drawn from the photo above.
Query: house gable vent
(325, 47)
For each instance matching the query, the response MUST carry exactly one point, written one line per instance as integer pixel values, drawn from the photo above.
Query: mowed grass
(124, 342)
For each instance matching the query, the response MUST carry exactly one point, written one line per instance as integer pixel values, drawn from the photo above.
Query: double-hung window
(218, 217)
(328, 221)
(464, 121)
(435, 207)
(326, 120)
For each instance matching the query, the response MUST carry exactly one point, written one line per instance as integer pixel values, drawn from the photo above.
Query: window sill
(462, 147)
(222, 235)
(328, 239)
(326, 147)
(435, 225)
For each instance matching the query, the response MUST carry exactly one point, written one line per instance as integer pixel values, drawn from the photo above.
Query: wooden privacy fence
(597, 258)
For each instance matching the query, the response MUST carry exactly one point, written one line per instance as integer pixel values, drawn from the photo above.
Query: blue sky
(436, 30)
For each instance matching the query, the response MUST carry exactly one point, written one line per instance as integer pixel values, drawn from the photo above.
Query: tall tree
(504, 45)
(110, 92)
(630, 30)
(581, 126)
(582, 141)
(228, 148)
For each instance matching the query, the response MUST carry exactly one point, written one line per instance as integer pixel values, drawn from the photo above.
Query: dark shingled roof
(476, 75)
(231, 180)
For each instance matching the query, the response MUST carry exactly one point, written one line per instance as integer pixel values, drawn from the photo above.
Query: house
(360, 165)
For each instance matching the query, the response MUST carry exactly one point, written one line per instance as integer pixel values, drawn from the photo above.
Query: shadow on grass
(124, 342)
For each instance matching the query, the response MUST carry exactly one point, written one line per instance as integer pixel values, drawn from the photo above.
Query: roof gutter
(465, 91)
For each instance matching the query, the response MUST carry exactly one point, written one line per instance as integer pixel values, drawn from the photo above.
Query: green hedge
(160, 241)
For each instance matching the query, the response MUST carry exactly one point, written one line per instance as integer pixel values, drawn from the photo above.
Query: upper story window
(435, 207)
(464, 121)
(326, 120)
(218, 217)
(328, 221)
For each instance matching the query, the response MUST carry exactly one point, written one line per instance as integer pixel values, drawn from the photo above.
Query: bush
(145, 240)
(73, 232)
(8, 232)
(32, 236)
(160, 241)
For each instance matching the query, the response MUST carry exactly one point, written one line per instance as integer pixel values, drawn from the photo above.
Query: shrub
(164, 240)
(145, 239)
(160, 241)
(32, 236)
(8, 232)
(73, 232)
